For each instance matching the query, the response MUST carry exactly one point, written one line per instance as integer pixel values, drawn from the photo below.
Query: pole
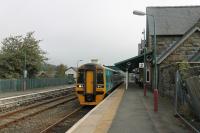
(78, 63)
(145, 89)
(126, 78)
(176, 94)
(155, 53)
(155, 69)
(155, 79)
(25, 71)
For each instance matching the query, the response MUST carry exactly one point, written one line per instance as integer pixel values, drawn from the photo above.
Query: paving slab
(136, 115)
(128, 111)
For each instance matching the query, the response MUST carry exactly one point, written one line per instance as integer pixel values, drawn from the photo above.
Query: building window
(71, 75)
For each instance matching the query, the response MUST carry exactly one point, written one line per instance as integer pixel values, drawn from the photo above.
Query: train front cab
(90, 87)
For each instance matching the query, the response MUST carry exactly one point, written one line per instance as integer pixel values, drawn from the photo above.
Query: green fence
(18, 84)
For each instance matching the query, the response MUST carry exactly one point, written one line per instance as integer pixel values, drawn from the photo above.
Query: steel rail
(35, 113)
(59, 121)
(33, 98)
(32, 106)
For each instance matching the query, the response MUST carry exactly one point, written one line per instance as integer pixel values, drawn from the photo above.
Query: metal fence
(20, 84)
(187, 96)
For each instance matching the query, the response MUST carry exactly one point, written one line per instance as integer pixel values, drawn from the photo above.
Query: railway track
(56, 124)
(23, 113)
(15, 102)
(63, 124)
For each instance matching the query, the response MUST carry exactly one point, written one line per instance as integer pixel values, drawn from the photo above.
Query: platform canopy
(131, 63)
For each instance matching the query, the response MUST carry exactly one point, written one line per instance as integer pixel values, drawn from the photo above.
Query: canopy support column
(127, 79)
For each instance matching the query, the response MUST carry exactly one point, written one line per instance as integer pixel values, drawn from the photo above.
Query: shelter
(133, 70)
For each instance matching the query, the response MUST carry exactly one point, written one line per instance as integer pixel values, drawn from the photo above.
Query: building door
(90, 82)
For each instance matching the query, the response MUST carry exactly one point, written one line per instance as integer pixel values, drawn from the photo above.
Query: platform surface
(136, 115)
(99, 119)
(128, 111)
(29, 91)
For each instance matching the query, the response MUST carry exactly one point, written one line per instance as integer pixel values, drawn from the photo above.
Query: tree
(19, 53)
(60, 70)
(50, 70)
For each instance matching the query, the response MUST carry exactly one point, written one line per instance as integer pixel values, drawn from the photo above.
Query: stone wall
(167, 77)
(162, 42)
(168, 68)
(188, 48)
(166, 83)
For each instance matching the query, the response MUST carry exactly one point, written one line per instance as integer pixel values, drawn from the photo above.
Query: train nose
(89, 97)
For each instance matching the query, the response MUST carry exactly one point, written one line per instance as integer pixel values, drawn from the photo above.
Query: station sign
(25, 73)
(141, 65)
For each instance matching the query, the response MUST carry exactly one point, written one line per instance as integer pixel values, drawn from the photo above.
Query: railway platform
(128, 111)
(10, 100)
(30, 91)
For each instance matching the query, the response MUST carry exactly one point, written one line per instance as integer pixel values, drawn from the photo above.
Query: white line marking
(73, 128)
(12, 97)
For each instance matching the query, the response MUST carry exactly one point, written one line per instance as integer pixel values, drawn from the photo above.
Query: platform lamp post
(139, 13)
(145, 65)
(127, 74)
(145, 69)
(78, 62)
(25, 71)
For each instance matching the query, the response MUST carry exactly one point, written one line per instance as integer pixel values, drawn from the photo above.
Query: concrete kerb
(73, 128)
(20, 99)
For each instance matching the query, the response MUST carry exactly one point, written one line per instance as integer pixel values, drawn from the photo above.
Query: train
(95, 82)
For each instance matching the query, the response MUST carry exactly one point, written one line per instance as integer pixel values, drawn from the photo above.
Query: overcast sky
(81, 29)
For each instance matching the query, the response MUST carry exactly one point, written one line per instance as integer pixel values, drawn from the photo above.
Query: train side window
(100, 77)
(80, 78)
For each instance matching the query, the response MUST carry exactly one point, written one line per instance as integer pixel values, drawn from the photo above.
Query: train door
(89, 82)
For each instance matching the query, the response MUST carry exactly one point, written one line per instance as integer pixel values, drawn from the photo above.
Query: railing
(19, 84)
(187, 96)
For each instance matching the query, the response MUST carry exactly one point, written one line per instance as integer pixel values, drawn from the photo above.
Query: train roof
(100, 66)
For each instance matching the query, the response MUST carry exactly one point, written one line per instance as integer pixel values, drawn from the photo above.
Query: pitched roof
(74, 68)
(172, 20)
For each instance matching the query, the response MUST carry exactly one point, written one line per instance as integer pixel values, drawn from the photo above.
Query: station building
(177, 30)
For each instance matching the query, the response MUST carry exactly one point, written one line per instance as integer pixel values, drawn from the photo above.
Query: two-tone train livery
(94, 82)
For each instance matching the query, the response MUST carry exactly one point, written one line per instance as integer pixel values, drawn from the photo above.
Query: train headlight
(80, 86)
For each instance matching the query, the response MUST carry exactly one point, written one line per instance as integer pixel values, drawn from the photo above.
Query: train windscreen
(99, 76)
(80, 78)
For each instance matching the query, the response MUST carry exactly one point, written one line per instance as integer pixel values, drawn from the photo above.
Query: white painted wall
(71, 71)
